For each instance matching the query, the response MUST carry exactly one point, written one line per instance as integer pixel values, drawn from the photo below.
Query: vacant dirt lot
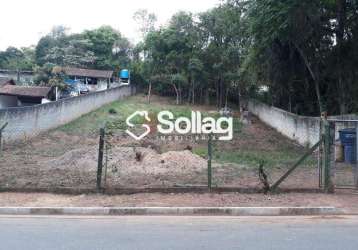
(67, 157)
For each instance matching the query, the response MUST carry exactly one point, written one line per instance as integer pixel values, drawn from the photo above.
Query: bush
(112, 111)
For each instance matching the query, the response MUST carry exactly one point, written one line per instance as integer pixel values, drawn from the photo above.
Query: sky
(24, 22)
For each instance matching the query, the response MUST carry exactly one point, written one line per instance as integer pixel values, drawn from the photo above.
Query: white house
(15, 96)
(95, 80)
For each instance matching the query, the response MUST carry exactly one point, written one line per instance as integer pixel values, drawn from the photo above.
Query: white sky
(23, 22)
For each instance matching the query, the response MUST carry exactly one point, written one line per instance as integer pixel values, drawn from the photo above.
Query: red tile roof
(30, 91)
(5, 81)
(89, 72)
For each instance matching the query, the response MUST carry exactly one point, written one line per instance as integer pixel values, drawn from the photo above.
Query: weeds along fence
(108, 160)
(204, 165)
(39, 154)
(264, 169)
(52, 161)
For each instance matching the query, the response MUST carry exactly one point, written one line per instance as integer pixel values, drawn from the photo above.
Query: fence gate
(342, 153)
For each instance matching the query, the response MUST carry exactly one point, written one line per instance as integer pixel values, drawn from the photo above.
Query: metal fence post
(105, 165)
(209, 161)
(100, 159)
(1, 130)
(0, 142)
(356, 170)
(328, 185)
(320, 154)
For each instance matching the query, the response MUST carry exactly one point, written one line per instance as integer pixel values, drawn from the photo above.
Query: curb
(188, 211)
(162, 190)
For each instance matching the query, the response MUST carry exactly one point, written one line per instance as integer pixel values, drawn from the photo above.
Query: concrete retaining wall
(303, 129)
(30, 121)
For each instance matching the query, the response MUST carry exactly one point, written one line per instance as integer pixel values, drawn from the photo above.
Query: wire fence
(49, 161)
(109, 159)
(344, 151)
(207, 163)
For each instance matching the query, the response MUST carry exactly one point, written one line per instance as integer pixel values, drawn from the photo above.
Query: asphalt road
(178, 233)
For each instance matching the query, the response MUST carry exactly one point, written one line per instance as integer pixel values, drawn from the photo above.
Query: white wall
(101, 85)
(7, 101)
(303, 129)
(32, 120)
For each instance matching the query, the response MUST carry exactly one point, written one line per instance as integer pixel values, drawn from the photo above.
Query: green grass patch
(116, 113)
(201, 151)
(237, 125)
(254, 158)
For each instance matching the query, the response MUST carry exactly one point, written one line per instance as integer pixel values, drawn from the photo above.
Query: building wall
(305, 130)
(24, 77)
(30, 121)
(7, 101)
(101, 85)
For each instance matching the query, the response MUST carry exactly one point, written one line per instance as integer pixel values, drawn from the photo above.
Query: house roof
(29, 91)
(89, 72)
(5, 81)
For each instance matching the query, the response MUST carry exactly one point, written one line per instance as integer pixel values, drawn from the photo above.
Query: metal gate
(343, 152)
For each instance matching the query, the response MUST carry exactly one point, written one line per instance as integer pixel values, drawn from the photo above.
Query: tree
(57, 78)
(58, 32)
(224, 46)
(289, 36)
(77, 53)
(42, 49)
(17, 59)
(194, 54)
(303, 53)
(109, 47)
(195, 69)
(145, 20)
(101, 48)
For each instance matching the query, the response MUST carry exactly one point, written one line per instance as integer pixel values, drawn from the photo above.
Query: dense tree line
(196, 58)
(102, 48)
(307, 51)
(300, 55)
(13, 58)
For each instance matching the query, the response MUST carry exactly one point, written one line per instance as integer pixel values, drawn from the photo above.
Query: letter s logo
(146, 126)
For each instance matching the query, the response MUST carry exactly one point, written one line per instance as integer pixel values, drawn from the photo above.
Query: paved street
(178, 233)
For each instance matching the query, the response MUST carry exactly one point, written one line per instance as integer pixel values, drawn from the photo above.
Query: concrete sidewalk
(179, 204)
(179, 211)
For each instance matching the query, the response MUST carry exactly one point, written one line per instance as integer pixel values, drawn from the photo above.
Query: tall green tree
(17, 59)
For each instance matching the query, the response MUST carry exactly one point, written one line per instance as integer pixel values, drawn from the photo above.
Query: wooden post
(209, 161)
(100, 159)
